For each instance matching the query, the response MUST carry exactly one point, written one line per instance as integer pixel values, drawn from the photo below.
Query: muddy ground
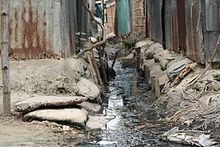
(46, 77)
(18, 133)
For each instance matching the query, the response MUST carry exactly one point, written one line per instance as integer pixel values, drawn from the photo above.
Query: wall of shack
(190, 27)
(41, 29)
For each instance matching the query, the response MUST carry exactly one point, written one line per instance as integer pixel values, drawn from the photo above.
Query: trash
(189, 137)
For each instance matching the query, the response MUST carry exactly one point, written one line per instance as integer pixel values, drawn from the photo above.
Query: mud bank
(188, 93)
(61, 91)
(48, 77)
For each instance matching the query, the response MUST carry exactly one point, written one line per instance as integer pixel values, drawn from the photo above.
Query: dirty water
(136, 124)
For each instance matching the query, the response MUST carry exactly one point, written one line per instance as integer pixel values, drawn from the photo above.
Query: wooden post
(5, 57)
(138, 53)
(147, 73)
(155, 86)
(103, 12)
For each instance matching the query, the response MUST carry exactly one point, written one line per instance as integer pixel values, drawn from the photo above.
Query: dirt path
(17, 133)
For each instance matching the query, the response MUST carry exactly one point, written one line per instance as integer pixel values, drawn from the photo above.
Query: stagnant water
(136, 124)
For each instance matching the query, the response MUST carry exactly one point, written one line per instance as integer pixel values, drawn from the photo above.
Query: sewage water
(135, 123)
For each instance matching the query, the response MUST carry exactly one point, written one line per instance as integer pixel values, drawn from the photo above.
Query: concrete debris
(71, 116)
(189, 137)
(47, 101)
(88, 89)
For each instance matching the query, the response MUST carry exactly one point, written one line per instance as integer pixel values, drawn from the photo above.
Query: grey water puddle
(136, 124)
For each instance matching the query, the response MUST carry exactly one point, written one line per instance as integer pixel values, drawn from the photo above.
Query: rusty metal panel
(171, 25)
(212, 15)
(40, 29)
(146, 19)
(174, 32)
(194, 31)
(155, 20)
(168, 25)
(181, 24)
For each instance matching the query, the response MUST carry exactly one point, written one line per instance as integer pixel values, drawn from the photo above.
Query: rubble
(189, 137)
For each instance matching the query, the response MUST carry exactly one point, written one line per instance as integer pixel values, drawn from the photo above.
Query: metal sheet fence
(41, 28)
(190, 27)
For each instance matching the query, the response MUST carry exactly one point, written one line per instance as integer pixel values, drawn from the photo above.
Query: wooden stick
(98, 44)
(92, 67)
(5, 58)
(97, 70)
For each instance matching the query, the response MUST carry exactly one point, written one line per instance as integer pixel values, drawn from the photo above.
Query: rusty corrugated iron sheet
(188, 26)
(170, 20)
(146, 18)
(40, 29)
(181, 24)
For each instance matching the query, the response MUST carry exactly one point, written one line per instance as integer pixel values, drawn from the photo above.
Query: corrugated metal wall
(41, 28)
(124, 16)
(211, 25)
(170, 28)
(190, 27)
(81, 20)
(194, 31)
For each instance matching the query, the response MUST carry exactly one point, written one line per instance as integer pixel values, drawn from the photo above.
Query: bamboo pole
(5, 57)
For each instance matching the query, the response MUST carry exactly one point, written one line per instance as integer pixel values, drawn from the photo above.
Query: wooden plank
(4, 57)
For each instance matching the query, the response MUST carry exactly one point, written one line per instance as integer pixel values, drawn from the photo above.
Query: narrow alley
(110, 73)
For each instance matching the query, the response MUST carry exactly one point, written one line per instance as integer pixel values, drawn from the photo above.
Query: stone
(47, 101)
(99, 121)
(163, 79)
(152, 50)
(66, 128)
(93, 107)
(149, 62)
(155, 69)
(88, 89)
(72, 116)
